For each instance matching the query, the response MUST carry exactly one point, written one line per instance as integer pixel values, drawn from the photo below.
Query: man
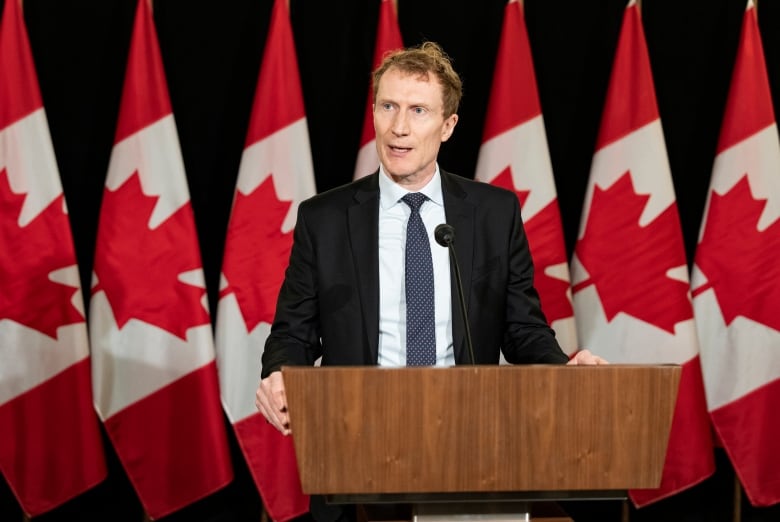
(345, 294)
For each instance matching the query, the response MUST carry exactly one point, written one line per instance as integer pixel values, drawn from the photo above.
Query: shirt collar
(390, 193)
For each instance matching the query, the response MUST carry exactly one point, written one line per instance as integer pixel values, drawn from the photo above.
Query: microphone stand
(445, 236)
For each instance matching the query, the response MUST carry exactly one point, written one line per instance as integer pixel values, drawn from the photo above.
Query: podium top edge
(486, 367)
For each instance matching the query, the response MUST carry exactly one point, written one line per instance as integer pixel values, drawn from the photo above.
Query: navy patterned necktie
(420, 333)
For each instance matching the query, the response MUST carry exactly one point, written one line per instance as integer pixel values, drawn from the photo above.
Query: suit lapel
(363, 219)
(460, 215)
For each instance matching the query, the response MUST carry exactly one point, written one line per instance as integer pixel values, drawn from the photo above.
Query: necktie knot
(414, 200)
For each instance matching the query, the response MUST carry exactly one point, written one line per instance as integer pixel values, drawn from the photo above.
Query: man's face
(410, 126)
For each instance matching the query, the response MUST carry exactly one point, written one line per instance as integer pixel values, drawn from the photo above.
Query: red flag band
(736, 278)
(50, 445)
(631, 292)
(153, 357)
(275, 174)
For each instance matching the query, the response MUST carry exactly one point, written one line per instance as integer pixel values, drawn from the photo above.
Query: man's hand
(271, 400)
(586, 357)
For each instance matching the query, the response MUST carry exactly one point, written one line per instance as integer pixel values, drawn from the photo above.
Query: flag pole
(737, 514)
(625, 515)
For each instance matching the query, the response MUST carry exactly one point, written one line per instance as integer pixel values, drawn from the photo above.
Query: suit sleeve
(528, 339)
(295, 333)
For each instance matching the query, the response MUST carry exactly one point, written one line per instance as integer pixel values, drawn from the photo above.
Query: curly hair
(427, 58)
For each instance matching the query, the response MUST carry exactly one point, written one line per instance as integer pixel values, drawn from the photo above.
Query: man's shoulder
(343, 195)
(478, 191)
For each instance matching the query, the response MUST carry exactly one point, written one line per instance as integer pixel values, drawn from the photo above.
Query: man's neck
(413, 182)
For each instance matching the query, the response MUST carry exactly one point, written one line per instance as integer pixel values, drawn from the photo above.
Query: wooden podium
(480, 433)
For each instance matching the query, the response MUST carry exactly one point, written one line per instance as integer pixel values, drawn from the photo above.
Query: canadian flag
(388, 38)
(154, 372)
(736, 277)
(275, 174)
(514, 156)
(50, 444)
(631, 291)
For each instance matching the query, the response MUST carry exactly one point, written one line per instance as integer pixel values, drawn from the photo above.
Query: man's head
(423, 61)
(416, 96)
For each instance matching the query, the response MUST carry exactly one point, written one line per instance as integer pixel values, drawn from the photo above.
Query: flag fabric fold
(629, 272)
(388, 38)
(154, 372)
(275, 174)
(50, 444)
(514, 155)
(736, 277)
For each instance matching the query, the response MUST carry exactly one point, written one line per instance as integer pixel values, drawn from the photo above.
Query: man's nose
(400, 125)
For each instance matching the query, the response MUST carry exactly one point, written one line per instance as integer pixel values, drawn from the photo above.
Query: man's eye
(387, 106)
(418, 110)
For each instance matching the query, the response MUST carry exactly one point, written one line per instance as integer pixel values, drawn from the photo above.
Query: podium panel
(370, 430)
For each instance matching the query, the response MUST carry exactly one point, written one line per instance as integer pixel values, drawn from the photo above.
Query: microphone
(445, 236)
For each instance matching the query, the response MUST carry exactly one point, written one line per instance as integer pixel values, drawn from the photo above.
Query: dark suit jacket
(329, 302)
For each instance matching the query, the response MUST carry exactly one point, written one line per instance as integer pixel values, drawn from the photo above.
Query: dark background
(212, 52)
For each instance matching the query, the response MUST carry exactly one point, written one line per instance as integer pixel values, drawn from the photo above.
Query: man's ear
(449, 127)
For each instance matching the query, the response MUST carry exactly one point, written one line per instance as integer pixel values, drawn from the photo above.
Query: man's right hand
(271, 400)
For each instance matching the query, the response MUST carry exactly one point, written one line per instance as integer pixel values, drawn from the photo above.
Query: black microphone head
(444, 234)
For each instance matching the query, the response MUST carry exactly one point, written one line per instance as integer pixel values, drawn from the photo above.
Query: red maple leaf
(739, 261)
(628, 263)
(257, 253)
(28, 256)
(545, 239)
(138, 267)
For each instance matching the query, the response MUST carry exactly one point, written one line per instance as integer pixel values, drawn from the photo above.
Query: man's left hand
(587, 358)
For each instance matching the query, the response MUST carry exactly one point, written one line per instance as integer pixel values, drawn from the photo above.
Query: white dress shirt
(393, 216)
